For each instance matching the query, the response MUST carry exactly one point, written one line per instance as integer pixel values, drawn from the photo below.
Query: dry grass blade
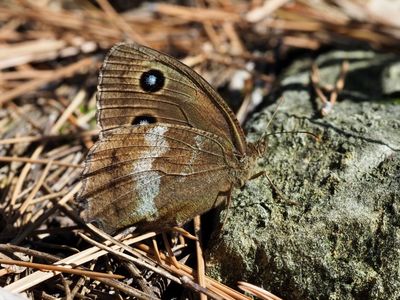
(63, 269)
(122, 25)
(257, 291)
(136, 260)
(214, 286)
(196, 14)
(204, 292)
(169, 250)
(128, 290)
(327, 104)
(259, 13)
(28, 139)
(75, 260)
(199, 256)
(37, 83)
(39, 161)
(184, 233)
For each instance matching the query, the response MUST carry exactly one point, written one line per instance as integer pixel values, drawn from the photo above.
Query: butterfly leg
(228, 203)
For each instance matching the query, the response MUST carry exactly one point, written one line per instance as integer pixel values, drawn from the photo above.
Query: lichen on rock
(336, 234)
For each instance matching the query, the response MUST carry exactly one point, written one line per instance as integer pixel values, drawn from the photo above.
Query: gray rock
(336, 234)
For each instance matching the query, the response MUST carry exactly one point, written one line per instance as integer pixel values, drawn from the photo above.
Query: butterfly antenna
(281, 99)
(261, 144)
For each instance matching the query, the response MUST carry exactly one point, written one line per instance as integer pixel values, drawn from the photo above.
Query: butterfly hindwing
(154, 173)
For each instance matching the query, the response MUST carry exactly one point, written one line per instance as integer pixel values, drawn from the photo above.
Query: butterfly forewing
(138, 83)
(169, 146)
(155, 175)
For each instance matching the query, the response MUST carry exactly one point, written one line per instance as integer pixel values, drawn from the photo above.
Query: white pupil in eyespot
(151, 80)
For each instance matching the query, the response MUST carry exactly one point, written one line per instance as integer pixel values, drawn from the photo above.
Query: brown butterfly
(169, 147)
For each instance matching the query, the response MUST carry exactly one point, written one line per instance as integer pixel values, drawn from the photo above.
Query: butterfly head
(246, 171)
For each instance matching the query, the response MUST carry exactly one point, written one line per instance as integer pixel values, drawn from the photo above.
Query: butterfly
(169, 147)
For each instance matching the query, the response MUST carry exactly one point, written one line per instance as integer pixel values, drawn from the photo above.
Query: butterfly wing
(155, 175)
(138, 84)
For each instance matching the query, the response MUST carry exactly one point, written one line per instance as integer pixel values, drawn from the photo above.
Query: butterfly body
(169, 147)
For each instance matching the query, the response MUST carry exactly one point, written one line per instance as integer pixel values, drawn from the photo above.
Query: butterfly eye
(143, 120)
(152, 81)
